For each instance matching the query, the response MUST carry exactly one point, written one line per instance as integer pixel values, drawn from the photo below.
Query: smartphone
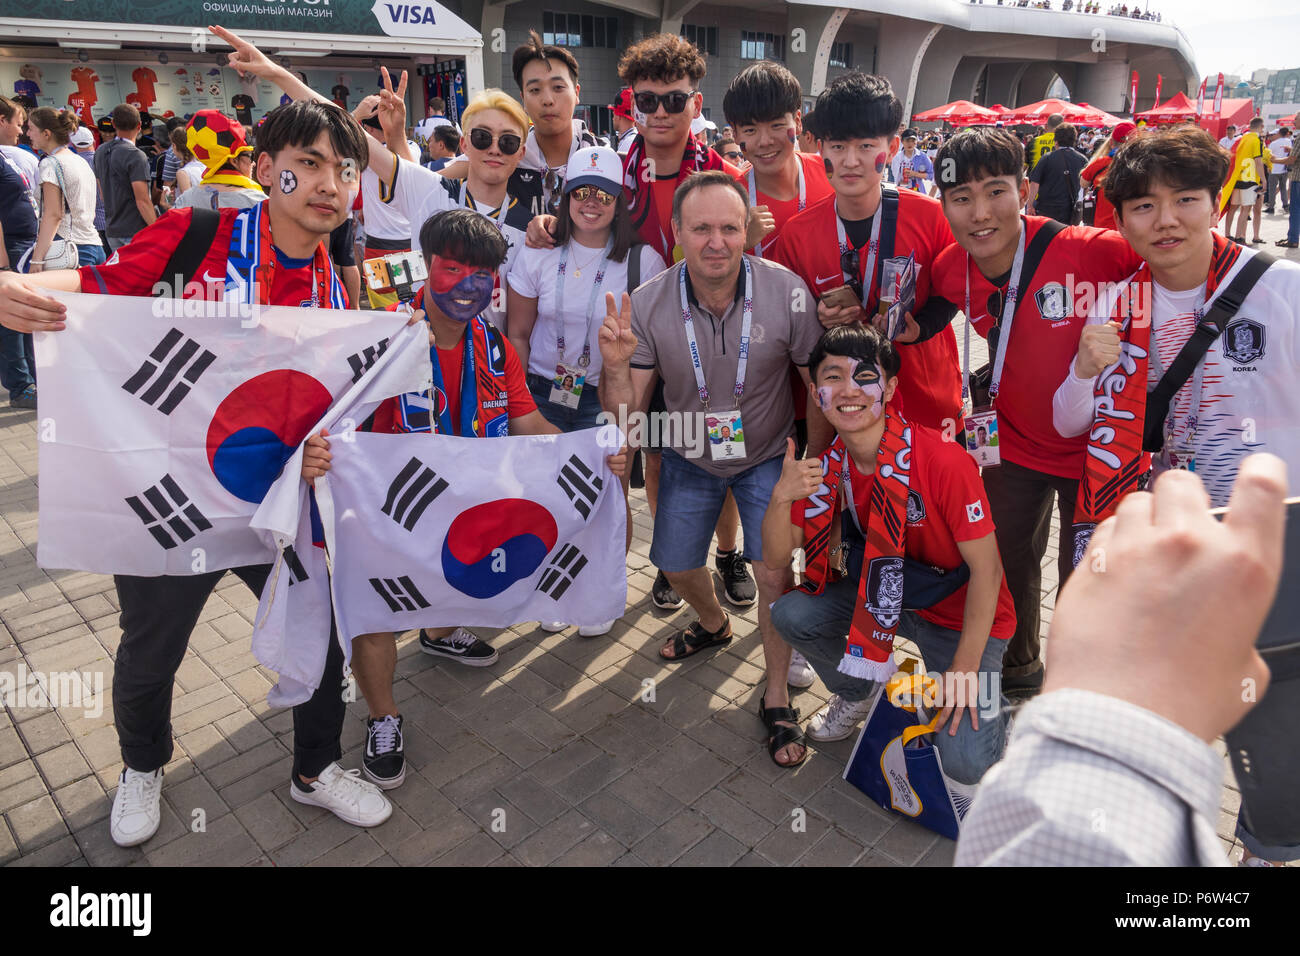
(842, 297)
(1262, 747)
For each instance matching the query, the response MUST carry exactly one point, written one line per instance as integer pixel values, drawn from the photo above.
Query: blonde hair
(494, 99)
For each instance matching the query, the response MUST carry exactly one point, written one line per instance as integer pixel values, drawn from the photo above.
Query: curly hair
(663, 58)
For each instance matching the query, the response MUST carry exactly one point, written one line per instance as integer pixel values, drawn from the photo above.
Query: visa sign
(427, 20)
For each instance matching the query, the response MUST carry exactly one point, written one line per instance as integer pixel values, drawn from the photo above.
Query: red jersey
(1045, 334)
(657, 229)
(816, 188)
(144, 79)
(519, 400)
(1104, 217)
(946, 504)
(85, 78)
(929, 384)
(136, 267)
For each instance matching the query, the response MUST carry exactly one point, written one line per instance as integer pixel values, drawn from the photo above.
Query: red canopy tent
(1036, 114)
(1287, 121)
(1004, 113)
(1081, 114)
(958, 113)
(1177, 109)
(1237, 112)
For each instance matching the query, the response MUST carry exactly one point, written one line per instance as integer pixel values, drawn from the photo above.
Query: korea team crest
(1243, 341)
(1054, 302)
(915, 507)
(885, 590)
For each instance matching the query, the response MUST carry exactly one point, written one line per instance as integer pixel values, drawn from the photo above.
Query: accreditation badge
(566, 385)
(981, 437)
(726, 435)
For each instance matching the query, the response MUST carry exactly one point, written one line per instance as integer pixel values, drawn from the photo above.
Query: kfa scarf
(868, 654)
(636, 181)
(1119, 398)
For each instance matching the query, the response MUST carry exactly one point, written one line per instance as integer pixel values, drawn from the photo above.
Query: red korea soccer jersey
(136, 267)
(816, 188)
(1045, 334)
(657, 229)
(946, 504)
(929, 385)
(144, 79)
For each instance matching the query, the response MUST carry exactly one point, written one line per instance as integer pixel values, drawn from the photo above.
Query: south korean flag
(162, 424)
(436, 530)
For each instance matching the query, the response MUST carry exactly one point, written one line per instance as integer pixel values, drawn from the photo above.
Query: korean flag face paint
(851, 392)
(459, 289)
(882, 159)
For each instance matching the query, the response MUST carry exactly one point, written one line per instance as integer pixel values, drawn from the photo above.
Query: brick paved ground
(554, 739)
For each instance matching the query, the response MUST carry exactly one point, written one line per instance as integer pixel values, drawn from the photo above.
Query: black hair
(700, 180)
(464, 235)
(858, 106)
(448, 135)
(1181, 157)
(979, 153)
(534, 49)
(865, 343)
(761, 93)
(810, 124)
(300, 124)
(1066, 135)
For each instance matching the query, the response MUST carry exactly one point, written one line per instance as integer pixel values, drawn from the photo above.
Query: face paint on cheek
(288, 181)
(460, 296)
(830, 169)
(881, 160)
(792, 135)
(824, 397)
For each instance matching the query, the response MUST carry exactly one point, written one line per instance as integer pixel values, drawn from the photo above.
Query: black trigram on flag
(580, 484)
(172, 510)
(561, 572)
(294, 563)
(400, 594)
(415, 486)
(363, 360)
(185, 361)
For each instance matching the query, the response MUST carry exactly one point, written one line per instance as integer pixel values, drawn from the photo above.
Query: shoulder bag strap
(191, 250)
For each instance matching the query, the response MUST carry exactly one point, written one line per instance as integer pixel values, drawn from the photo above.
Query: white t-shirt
(424, 129)
(79, 190)
(1227, 142)
(1281, 149)
(1250, 396)
(625, 140)
(194, 170)
(384, 219)
(23, 161)
(535, 274)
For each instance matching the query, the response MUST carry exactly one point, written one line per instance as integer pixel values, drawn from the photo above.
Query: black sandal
(684, 647)
(780, 736)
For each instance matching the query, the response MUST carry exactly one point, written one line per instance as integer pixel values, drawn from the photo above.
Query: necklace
(579, 266)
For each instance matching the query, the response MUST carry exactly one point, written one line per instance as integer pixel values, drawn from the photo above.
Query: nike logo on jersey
(821, 281)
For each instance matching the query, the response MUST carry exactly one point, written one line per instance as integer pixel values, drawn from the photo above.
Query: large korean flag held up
(160, 433)
(434, 530)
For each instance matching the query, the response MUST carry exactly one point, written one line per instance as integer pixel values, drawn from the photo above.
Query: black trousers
(1021, 502)
(158, 616)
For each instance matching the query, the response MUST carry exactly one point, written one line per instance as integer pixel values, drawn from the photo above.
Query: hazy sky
(1237, 37)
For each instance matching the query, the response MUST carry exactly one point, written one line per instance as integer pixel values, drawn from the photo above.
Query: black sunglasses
(673, 102)
(481, 138)
(734, 155)
(851, 263)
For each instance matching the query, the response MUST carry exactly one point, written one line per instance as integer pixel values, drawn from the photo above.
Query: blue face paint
(466, 299)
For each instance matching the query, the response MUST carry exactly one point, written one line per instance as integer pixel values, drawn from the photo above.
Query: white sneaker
(346, 795)
(838, 719)
(801, 673)
(552, 627)
(135, 807)
(596, 630)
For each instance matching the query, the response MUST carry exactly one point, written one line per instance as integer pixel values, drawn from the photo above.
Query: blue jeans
(562, 417)
(1293, 227)
(17, 355)
(818, 625)
(690, 501)
(90, 255)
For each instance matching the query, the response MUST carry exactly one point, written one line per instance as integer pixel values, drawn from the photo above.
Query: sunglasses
(673, 102)
(851, 263)
(481, 138)
(735, 155)
(583, 193)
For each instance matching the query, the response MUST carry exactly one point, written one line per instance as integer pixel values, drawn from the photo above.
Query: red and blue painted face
(459, 289)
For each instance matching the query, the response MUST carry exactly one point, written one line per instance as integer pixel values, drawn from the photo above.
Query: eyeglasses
(481, 138)
(851, 263)
(583, 193)
(673, 102)
(735, 155)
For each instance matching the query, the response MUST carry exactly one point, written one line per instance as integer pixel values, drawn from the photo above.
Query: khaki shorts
(1244, 197)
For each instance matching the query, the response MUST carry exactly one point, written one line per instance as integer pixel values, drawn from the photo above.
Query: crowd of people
(1116, 10)
(652, 273)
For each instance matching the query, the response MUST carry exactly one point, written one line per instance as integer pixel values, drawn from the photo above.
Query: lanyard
(1008, 311)
(868, 277)
(268, 263)
(440, 420)
(753, 196)
(1197, 394)
(846, 482)
(467, 202)
(965, 349)
(561, 316)
(747, 318)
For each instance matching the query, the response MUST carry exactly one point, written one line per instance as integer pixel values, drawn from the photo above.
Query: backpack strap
(190, 251)
(1210, 328)
(634, 267)
(888, 228)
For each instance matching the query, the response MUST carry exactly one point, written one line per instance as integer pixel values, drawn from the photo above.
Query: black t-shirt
(16, 213)
(1057, 175)
(342, 249)
(857, 231)
(243, 104)
(340, 92)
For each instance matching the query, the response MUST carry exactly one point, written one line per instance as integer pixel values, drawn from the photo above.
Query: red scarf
(868, 653)
(636, 180)
(1119, 398)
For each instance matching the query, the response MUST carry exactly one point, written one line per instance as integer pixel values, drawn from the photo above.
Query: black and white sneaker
(383, 761)
(460, 645)
(663, 595)
(737, 582)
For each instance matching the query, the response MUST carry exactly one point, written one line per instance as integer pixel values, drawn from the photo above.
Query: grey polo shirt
(784, 330)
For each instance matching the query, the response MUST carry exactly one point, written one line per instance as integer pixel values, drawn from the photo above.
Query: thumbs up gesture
(800, 477)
